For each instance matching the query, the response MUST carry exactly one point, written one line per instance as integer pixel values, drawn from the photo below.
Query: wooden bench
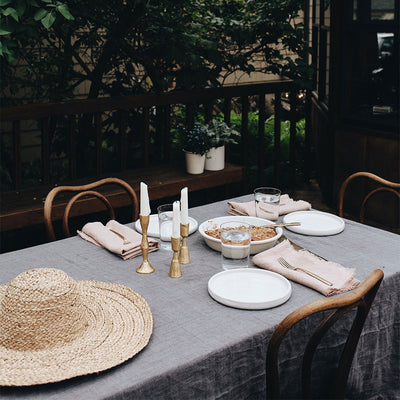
(24, 207)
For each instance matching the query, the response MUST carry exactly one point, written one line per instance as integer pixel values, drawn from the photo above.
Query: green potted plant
(220, 134)
(196, 143)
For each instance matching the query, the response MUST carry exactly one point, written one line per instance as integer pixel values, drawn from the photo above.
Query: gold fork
(285, 264)
(126, 241)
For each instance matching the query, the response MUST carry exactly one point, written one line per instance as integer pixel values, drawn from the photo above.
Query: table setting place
(257, 260)
(168, 230)
(264, 281)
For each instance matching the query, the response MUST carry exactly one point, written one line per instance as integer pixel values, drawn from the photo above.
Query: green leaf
(48, 20)
(4, 2)
(63, 10)
(12, 12)
(6, 52)
(40, 14)
(4, 30)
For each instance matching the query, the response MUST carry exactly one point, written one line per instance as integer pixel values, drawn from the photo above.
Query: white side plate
(154, 231)
(249, 288)
(315, 223)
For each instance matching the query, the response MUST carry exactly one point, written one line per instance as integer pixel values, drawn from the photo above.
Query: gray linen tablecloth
(201, 349)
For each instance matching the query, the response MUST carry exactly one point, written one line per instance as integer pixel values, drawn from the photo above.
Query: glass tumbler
(267, 201)
(235, 244)
(165, 217)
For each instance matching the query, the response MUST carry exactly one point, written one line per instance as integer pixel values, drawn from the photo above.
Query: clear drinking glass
(165, 217)
(235, 244)
(267, 201)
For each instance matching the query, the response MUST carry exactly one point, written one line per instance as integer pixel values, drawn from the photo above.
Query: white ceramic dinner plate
(315, 223)
(154, 230)
(249, 288)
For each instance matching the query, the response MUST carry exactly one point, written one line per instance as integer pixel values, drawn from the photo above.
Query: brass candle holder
(184, 257)
(175, 270)
(145, 267)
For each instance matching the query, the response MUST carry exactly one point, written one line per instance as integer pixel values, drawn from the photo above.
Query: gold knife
(298, 247)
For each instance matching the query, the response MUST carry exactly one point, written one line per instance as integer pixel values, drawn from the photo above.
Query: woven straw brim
(120, 325)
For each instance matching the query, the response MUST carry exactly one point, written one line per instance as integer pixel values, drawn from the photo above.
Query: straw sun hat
(54, 328)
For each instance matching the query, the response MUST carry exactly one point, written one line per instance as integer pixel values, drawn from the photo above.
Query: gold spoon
(282, 224)
(126, 241)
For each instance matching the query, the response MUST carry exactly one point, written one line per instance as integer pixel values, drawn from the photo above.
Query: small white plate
(154, 230)
(249, 288)
(315, 223)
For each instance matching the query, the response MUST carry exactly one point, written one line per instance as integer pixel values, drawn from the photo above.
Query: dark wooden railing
(47, 113)
(155, 112)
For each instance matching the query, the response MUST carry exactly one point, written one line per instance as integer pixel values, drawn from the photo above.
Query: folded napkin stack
(100, 235)
(286, 206)
(342, 278)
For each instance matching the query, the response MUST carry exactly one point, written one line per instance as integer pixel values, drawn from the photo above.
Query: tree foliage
(119, 47)
(20, 18)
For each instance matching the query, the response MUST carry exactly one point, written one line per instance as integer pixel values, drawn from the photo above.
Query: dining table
(202, 349)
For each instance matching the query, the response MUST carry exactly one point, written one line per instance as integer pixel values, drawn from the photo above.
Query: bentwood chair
(84, 193)
(361, 298)
(386, 186)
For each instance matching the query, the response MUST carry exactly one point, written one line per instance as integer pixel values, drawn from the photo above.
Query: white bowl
(255, 246)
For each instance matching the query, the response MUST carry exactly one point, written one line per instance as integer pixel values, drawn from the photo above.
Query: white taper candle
(144, 200)
(184, 206)
(176, 220)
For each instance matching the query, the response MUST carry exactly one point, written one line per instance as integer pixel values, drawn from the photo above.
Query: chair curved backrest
(362, 297)
(84, 191)
(387, 186)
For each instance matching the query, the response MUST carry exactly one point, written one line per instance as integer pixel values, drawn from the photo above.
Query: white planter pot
(194, 163)
(215, 159)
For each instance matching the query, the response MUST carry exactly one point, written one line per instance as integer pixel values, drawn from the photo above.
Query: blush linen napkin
(286, 206)
(342, 278)
(100, 235)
